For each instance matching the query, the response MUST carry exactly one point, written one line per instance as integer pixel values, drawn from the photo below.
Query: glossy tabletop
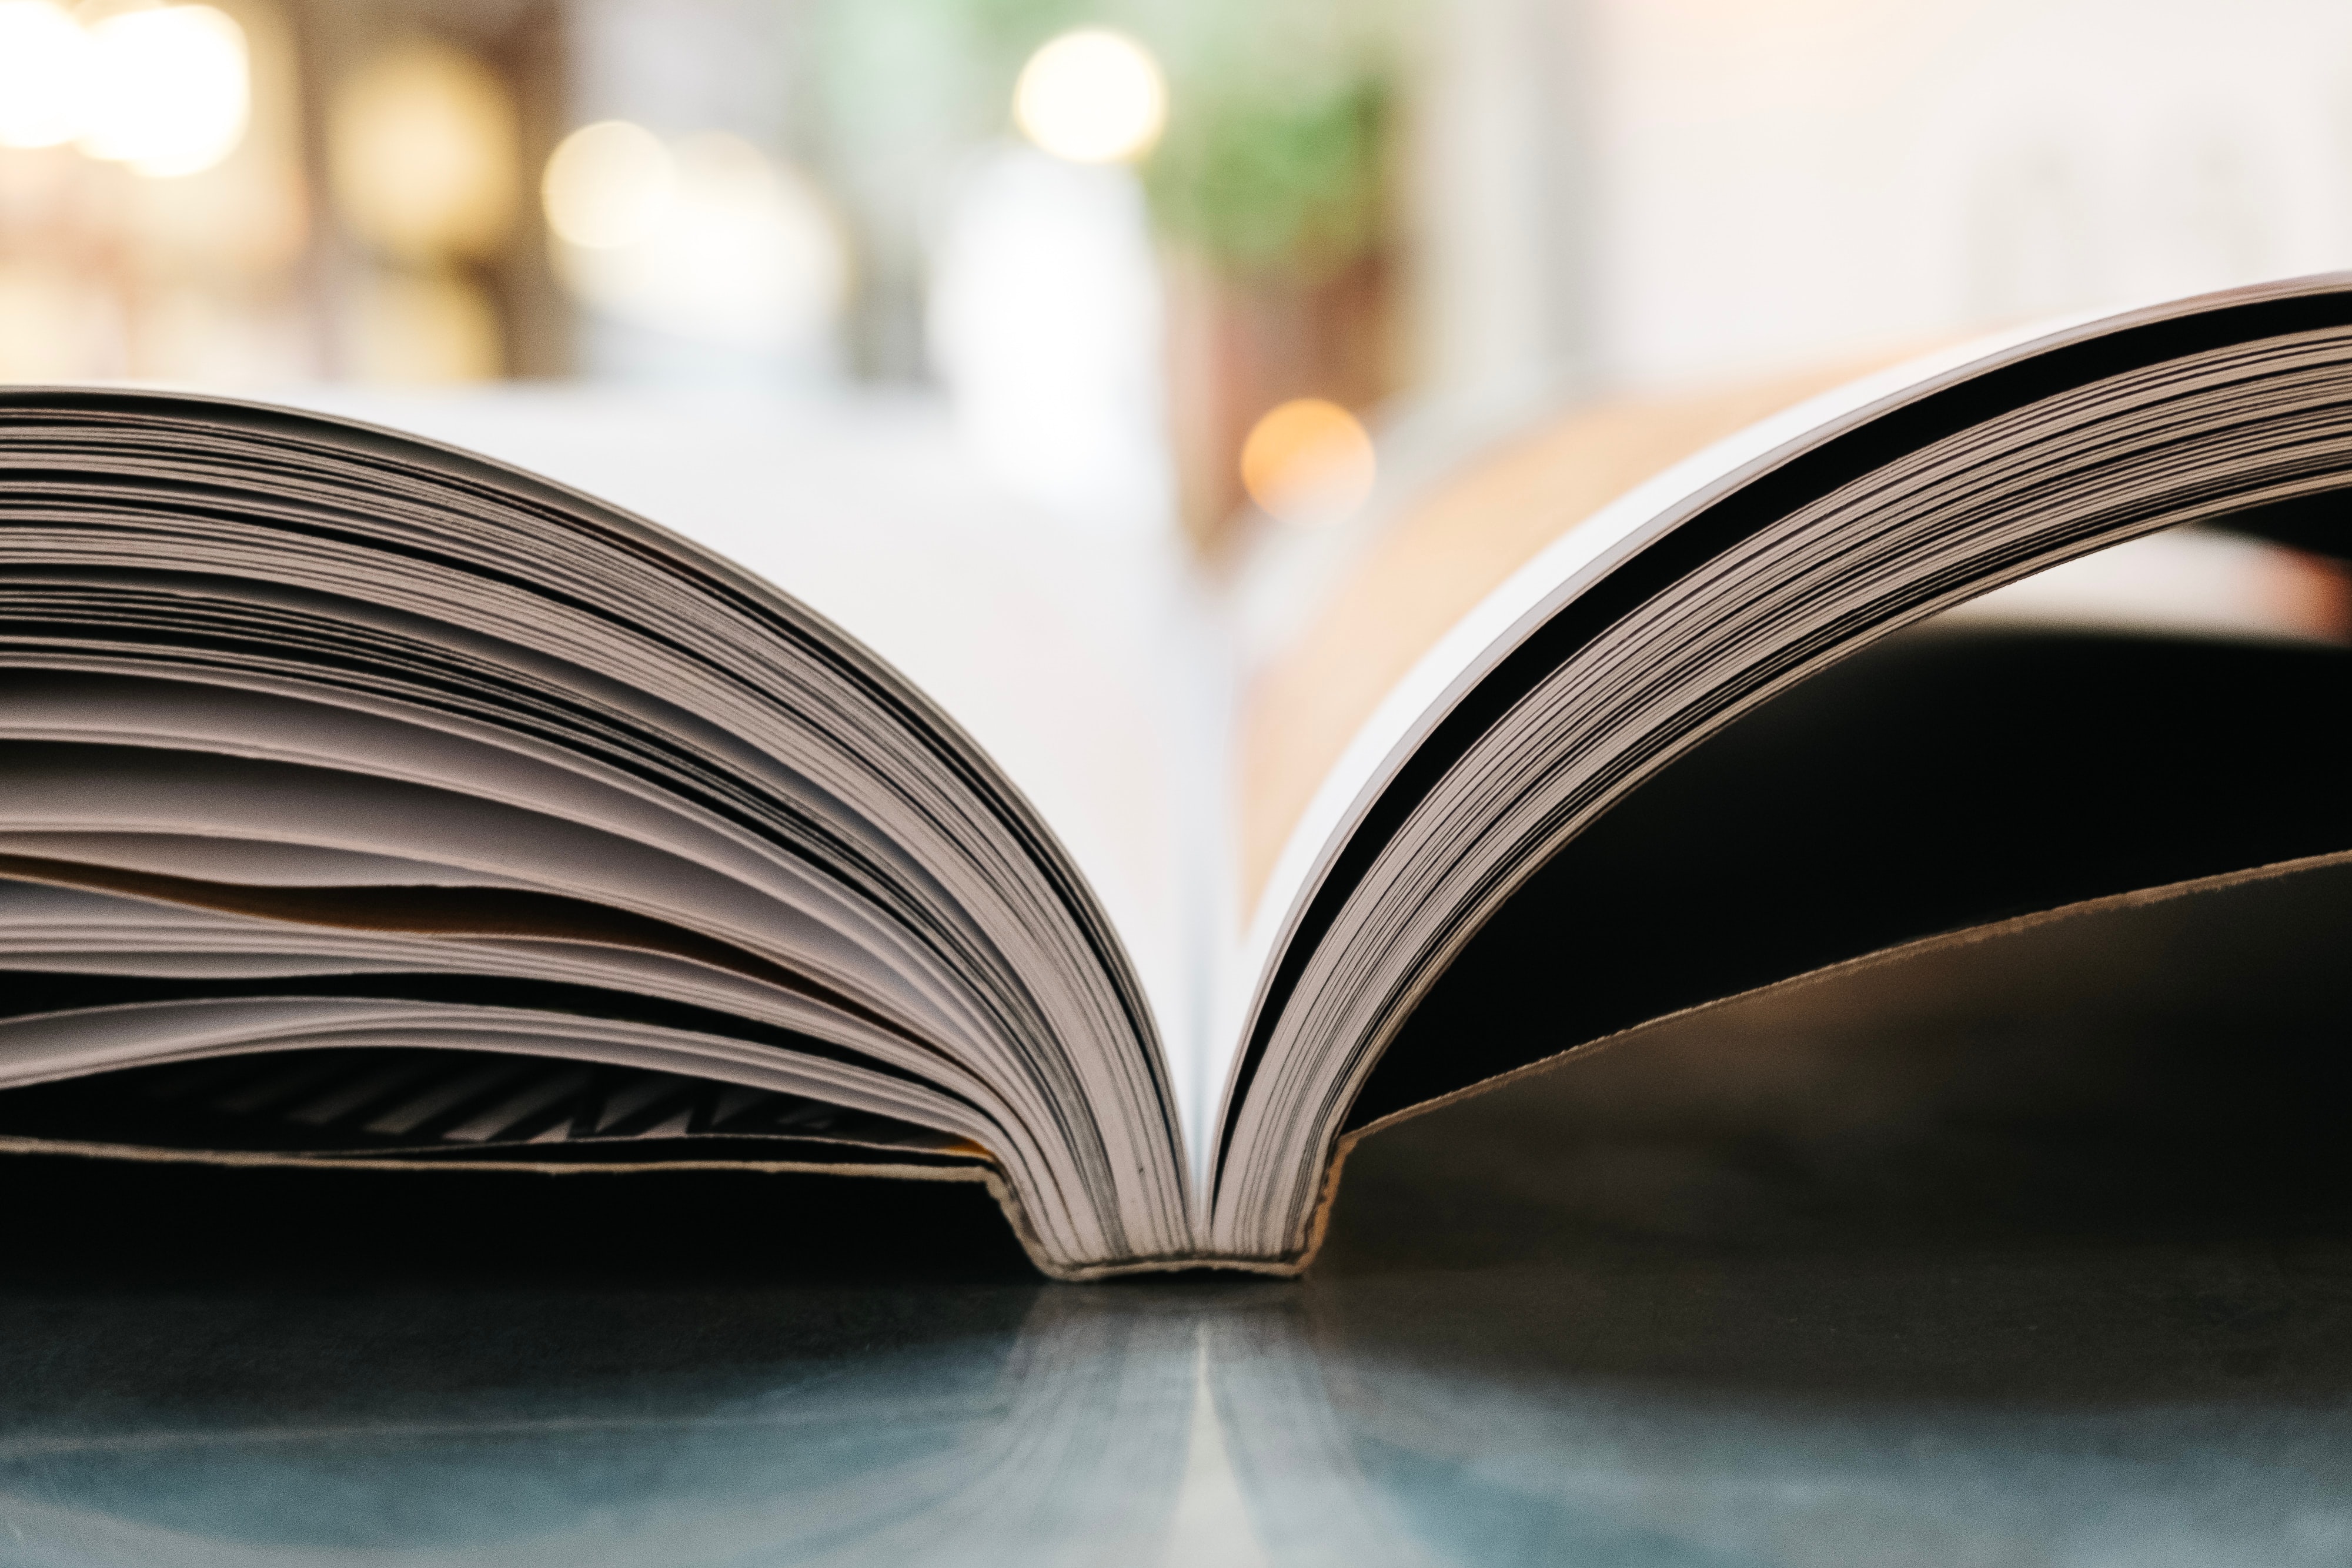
(1665, 1307)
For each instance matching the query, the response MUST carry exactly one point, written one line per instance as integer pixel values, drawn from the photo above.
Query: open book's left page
(453, 759)
(1084, 659)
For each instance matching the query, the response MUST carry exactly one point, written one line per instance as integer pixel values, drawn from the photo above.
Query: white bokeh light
(45, 63)
(608, 184)
(736, 252)
(1092, 95)
(169, 90)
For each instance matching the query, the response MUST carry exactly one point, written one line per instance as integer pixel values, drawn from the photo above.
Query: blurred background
(1233, 272)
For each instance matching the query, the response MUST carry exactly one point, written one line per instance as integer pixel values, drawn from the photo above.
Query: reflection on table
(1771, 1285)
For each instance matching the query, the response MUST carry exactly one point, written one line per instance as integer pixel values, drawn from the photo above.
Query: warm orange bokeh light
(423, 154)
(1309, 462)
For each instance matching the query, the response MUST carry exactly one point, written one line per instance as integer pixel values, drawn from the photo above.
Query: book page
(393, 638)
(1576, 558)
(1940, 780)
(1450, 548)
(1500, 508)
(1707, 592)
(1085, 664)
(1530, 523)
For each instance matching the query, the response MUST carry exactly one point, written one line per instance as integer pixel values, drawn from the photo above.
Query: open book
(369, 802)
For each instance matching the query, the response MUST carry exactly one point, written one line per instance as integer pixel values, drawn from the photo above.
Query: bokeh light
(713, 242)
(608, 184)
(1309, 462)
(1092, 95)
(44, 74)
(423, 330)
(169, 90)
(423, 154)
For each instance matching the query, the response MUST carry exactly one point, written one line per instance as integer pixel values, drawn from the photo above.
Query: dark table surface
(2052, 1295)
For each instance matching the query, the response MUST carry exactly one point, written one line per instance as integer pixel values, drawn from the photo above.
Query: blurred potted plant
(1270, 191)
(1267, 190)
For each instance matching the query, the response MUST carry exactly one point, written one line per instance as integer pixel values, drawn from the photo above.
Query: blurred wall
(1803, 177)
(1572, 196)
(1614, 192)
(1500, 182)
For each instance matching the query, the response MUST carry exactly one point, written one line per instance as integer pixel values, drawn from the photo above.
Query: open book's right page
(1694, 598)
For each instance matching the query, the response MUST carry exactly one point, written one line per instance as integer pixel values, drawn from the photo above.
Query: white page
(1582, 558)
(81, 930)
(1579, 557)
(43, 1048)
(1085, 665)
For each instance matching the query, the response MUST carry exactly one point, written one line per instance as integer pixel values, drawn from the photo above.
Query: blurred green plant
(1275, 162)
(1279, 128)
(1285, 177)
